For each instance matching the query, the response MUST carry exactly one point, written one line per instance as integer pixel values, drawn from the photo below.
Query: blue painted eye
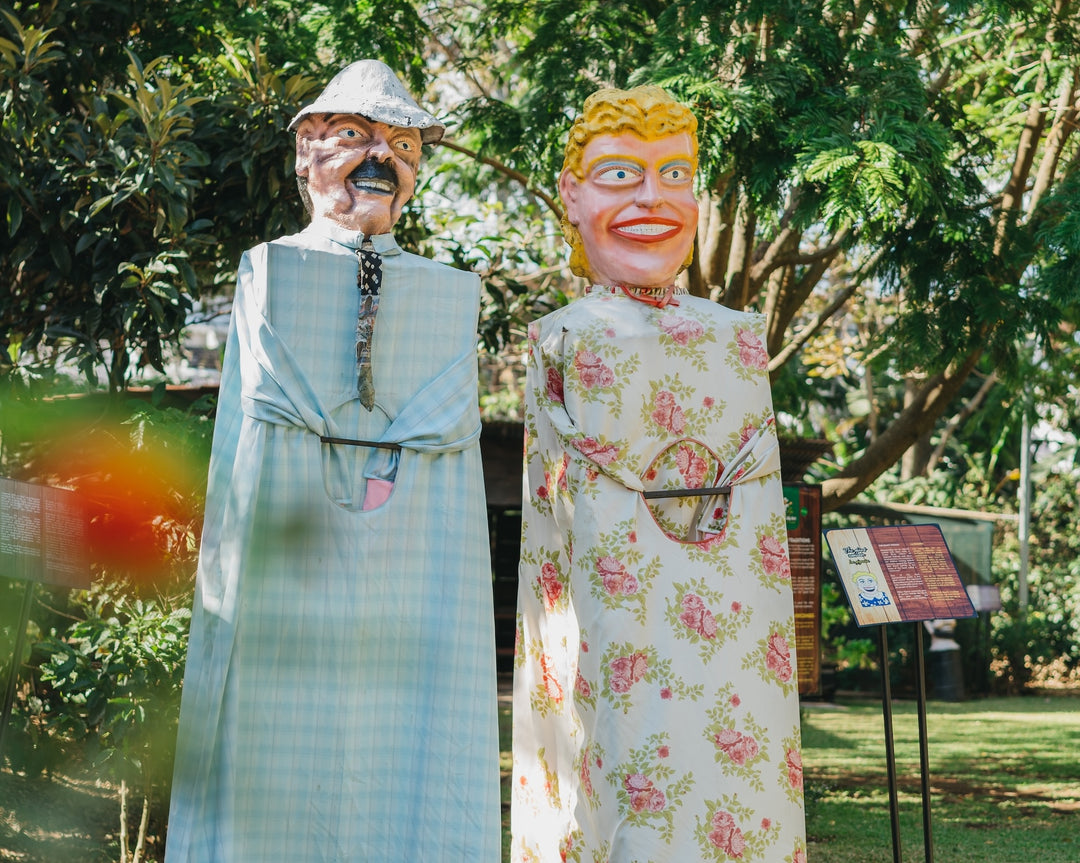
(680, 172)
(617, 173)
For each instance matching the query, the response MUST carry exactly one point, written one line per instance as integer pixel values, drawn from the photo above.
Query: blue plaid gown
(339, 701)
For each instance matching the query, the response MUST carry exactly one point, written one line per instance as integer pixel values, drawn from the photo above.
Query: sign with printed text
(43, 535)
(898, 573)
(803, 512)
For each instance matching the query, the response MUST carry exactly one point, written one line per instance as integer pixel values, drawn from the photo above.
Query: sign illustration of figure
(656, 713)
(870, 593)
(339, 702)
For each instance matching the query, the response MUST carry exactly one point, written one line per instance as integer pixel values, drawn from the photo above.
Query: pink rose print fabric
(554, 386)
(616, 577)
(627, 670)
(592, 371)
(774, 556)
(737, 746)
(752, 350)
(655, 700)
(697, 617)
(681, 330)
(667, 414)
(644, 796)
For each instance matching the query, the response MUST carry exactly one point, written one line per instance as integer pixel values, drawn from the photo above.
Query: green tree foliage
(920, 153)
(130, 187)
(113, 682)
(102, 669)
(893, 185)
(915, 157)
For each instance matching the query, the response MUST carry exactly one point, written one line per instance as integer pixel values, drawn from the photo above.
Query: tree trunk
(144, 823)
(919, 416)
(715, 222)
(969, 409)
(123, 823)
(917, 456)
(736, 294)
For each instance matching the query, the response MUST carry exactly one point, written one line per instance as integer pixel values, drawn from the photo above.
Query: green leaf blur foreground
(1005, 781)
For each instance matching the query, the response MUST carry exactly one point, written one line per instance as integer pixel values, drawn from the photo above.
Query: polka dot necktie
(368, 280)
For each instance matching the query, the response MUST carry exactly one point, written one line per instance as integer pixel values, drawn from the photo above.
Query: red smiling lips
(648, 229)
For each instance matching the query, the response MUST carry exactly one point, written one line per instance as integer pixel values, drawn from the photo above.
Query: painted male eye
(405, 145)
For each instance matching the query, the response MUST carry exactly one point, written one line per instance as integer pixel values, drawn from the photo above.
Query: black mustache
(373, 169)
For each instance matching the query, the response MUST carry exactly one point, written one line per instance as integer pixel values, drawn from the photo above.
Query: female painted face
(359, 173)
(635, 208)
(867, 583)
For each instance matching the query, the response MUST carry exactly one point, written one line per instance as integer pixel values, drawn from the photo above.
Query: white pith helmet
(371, 89)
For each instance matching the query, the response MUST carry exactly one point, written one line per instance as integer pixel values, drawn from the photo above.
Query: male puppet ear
(569, 187)
(303, 150)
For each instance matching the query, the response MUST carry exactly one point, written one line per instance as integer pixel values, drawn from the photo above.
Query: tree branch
(842, 296)
(793, 297)
(973, 404)
(802, 258)
(810, 330)
(1030, 135)
(918, 416)
(1064, 124)
(507, 171)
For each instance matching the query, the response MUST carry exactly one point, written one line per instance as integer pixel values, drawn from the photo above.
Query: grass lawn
(1005, 776)
(1005, 781)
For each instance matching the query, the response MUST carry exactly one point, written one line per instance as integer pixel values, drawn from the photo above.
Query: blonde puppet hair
(648, 112)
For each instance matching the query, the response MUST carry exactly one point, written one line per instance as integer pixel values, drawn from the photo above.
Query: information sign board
(803, 505)
(43, 535)
(898, 573)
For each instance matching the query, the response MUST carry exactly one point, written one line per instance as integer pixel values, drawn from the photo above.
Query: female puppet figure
(656, 712)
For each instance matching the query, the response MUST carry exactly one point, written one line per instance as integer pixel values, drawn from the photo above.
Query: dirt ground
(57, 819)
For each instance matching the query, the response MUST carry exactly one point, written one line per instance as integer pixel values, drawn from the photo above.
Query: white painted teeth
(648, 229)
(368, 185)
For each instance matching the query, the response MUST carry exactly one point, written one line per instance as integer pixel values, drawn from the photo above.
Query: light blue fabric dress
(339, 701)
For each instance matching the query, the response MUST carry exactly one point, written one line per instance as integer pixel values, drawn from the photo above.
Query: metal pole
(1025, 510)
(890, 750)
(13, 675)
(924, 752)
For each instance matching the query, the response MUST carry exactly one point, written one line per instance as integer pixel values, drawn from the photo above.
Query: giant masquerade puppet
(656, 713)
(339, 702)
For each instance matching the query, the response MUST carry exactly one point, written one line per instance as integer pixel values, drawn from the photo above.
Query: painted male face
(360, 173)
(635, 208)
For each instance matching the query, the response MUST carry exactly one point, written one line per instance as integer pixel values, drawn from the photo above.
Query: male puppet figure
(656, 715)
(339, 702)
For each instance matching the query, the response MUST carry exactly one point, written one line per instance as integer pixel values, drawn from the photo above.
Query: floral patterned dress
(656, 713)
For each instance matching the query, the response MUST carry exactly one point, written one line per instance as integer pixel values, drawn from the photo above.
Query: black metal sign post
(924, 749)
(890, 747)
(892, 575)
(16, 657)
